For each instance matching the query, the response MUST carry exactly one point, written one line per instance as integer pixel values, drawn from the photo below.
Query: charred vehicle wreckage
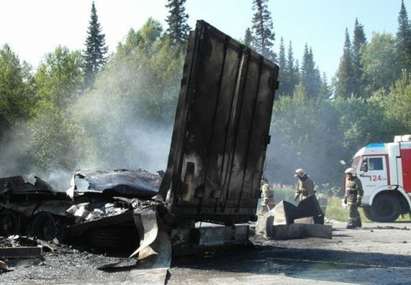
(97, 202)
(213, 175)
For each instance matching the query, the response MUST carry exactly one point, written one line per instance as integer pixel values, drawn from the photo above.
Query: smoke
(124, 122)
(14, 147)
(306, 134)
(116, 133)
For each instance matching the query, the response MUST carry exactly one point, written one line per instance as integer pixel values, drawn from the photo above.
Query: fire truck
(385, 172)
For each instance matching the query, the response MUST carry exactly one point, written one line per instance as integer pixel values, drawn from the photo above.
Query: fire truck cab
(385, 172)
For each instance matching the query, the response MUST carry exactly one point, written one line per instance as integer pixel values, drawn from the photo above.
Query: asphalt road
(375, 254)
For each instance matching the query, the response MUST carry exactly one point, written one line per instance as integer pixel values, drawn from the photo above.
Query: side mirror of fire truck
(364, 166)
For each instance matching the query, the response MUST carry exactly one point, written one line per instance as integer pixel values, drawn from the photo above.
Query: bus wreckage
(215, 164)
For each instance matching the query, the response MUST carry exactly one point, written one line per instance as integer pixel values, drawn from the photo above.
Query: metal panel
(406, 168)
(221, 129)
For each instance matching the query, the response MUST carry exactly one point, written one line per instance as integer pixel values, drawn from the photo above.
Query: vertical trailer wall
(221, 129)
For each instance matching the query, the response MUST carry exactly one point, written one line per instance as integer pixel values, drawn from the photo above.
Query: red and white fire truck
(385, 173)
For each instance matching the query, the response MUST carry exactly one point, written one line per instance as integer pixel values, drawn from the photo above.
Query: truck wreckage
(215, 164)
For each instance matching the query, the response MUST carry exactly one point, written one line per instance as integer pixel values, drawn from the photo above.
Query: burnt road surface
(375, 254)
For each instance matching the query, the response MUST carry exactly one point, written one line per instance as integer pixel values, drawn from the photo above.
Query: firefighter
(267, 195)
(305, 185)
(352, 198)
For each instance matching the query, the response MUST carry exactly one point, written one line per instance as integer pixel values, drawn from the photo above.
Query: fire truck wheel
(10, 223)
(368, 213)
(385, 208)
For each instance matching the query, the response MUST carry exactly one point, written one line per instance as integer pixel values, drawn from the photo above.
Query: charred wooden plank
(21, 252)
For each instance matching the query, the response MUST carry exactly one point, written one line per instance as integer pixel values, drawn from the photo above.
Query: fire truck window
(364, 166)
(375, 164)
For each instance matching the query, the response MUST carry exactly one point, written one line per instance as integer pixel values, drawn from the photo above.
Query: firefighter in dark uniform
(305, 185)
(352, 198)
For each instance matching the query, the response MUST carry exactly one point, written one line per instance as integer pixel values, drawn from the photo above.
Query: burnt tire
(385, 208)
(46, 226)
(10, 223)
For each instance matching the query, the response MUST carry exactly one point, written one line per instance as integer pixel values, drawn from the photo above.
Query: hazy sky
(34, 28)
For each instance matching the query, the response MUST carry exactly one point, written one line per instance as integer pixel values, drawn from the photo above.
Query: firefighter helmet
(349, 171)
(299, 172)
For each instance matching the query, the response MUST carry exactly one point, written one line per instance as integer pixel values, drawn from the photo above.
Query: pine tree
(310, 75)
(281, 58)
(325, 91)
(262, 27)
(358, 69)
(284, 74)
(345, 75)
(404, 39)
(288, 70)
(248, 38)
(292, 69)
(96, 49)
(178, 29)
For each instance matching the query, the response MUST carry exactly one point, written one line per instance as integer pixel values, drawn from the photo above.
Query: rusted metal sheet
(221, 129)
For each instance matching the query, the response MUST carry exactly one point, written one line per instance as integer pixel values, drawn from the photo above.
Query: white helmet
(299, 172)
(349, 171)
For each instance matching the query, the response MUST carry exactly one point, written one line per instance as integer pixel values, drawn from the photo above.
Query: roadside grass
(334, 209)
(404, 218)
(285, 193)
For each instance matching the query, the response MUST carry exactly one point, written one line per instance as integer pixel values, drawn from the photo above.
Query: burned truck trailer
(218, 146)
(215, 164)
(221, 130)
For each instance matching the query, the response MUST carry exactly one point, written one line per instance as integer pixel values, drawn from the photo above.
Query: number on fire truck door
(375, 176)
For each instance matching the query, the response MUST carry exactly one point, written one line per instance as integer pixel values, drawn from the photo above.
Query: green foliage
(310, 75)
(358, 69)
(59, 77)
(248, 38)
(291, 72)
(142, 41)
(16, 88)
(362, 121)
(147, 69)
(178, 29)
(135, 96)
(262, 27)
(380, 62)
(304, 134)
(345, 75)
(58, 81)
(96, 49)
(403, 43)
(398, 105)
(316, 134)
(53, 139)
(282, 62)
(124, 119)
